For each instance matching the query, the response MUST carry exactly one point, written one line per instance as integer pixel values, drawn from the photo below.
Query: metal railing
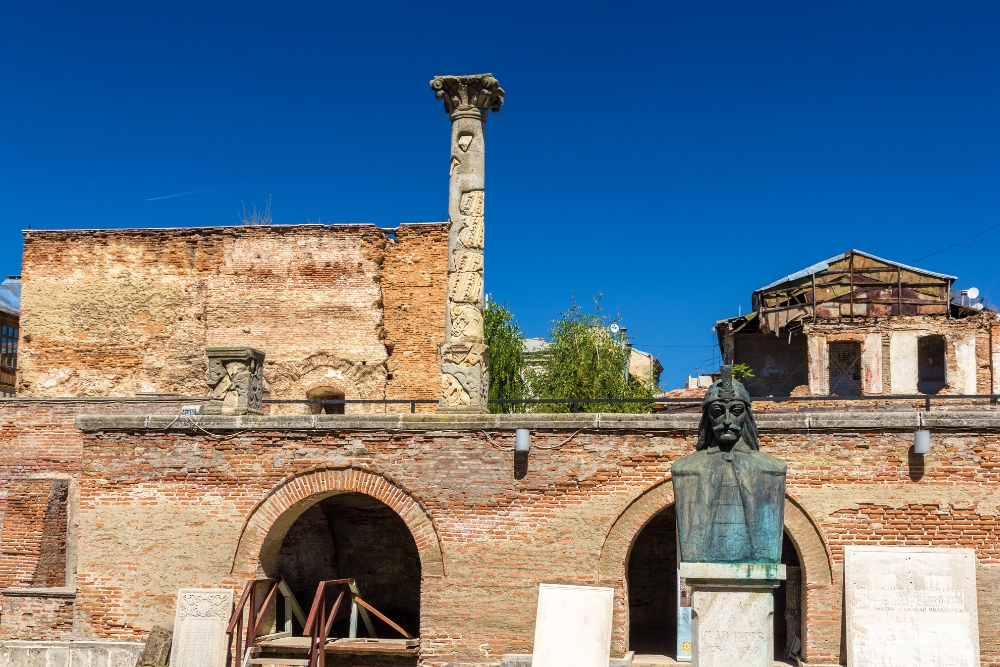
(575, 403)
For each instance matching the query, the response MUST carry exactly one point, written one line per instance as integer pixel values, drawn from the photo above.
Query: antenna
(973, 292)
(614, 328)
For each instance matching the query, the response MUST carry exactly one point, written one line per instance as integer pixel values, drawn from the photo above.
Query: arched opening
(353, 535)
(653, 592)
(326, 394)
(652, 587)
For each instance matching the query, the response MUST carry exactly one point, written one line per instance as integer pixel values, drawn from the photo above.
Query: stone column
(732, 613)
(467, 100)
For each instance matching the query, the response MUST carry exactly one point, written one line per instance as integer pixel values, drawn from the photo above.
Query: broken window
(326, 394)
(930, 364)
(845, 368)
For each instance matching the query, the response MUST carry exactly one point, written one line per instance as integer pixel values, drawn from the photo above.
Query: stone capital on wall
(477, 93)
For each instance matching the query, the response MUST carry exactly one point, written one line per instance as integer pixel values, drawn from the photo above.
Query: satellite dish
(978, 306)
(973, 293)
(614, 328)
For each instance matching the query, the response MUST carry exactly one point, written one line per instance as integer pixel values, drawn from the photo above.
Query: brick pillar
(467, 100)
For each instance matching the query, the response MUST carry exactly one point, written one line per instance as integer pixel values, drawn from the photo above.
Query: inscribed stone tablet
(200, 638)
(573, 626)
(911, 607)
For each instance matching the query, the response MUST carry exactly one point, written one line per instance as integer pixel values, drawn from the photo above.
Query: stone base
(20, 653)
(445, 409)
(732, 613)
(524, 660)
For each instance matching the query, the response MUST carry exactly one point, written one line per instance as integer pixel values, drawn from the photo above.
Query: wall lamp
(522, 440)
(922, 442)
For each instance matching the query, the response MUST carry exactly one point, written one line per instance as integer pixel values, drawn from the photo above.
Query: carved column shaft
(464, 356)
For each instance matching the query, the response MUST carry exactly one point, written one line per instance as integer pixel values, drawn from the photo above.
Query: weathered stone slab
(732, 627)
(573, 626)
(910, 607)
(200, 638)
(156, 652)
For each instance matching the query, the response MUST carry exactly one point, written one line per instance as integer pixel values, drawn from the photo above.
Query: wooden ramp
(291, 645)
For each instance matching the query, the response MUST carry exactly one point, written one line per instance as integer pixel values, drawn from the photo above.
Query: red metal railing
(322, 615)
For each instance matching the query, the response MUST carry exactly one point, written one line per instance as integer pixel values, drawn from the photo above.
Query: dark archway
(352, 535)
(652, 587)
(787, 602)
(326, 394)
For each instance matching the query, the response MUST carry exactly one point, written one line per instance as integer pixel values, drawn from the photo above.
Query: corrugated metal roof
(821, 266)
(10, 295)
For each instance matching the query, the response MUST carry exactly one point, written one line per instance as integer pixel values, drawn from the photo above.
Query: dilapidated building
(859, 325)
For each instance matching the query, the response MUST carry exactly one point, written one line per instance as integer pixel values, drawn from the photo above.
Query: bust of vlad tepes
(729, 496)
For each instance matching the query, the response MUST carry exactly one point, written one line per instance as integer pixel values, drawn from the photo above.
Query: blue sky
(671, 155)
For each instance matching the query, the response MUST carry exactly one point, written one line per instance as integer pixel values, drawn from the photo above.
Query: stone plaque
(573, 626)
(732, 628)
(200, 638)
(911, 607)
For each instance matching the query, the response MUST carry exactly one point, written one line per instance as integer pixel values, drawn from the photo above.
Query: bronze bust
(729, 496)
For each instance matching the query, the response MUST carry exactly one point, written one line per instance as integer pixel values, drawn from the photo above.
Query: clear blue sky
(672, 155)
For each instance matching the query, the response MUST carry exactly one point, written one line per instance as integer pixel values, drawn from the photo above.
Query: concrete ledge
(748, 572)
(524, 660)
(978, 420)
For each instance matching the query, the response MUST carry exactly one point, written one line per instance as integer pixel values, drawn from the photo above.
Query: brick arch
(269, 521)
(621, 536)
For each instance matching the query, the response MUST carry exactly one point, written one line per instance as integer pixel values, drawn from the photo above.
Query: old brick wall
(179, 504)
(414, 283)
(117, 312)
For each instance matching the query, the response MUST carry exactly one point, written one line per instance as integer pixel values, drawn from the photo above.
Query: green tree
(588, 358)
(506, 357)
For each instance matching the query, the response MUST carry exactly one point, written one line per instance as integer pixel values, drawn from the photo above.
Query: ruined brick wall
(414, 284)
(181, 504)
(117, 312)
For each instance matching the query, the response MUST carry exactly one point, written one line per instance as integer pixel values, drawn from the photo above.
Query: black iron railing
(575, 403)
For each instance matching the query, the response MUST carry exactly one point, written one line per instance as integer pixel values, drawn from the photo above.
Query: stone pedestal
(732, 613)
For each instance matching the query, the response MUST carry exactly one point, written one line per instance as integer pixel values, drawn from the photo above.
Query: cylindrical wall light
(922, 442)
(522, 441)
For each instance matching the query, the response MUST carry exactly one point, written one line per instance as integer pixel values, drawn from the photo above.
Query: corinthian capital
(465, 93)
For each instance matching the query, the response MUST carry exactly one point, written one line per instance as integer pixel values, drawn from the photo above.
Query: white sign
(573, 626)
(200, 638)
(911, 607)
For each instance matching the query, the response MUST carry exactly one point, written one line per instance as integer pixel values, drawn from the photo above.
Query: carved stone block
(464, 379)
(466, 323)
(235, 380)
(156, 652)
(473, 203)
(465, 287)
(468, 261)
(473, 231)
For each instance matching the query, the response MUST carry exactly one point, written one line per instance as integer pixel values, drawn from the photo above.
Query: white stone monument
(732, 613)
(573, 626)
(911, 607)
(200, 638)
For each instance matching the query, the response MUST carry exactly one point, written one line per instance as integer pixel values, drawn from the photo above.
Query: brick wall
(163, 506)
(117, 312)
(414, 282)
